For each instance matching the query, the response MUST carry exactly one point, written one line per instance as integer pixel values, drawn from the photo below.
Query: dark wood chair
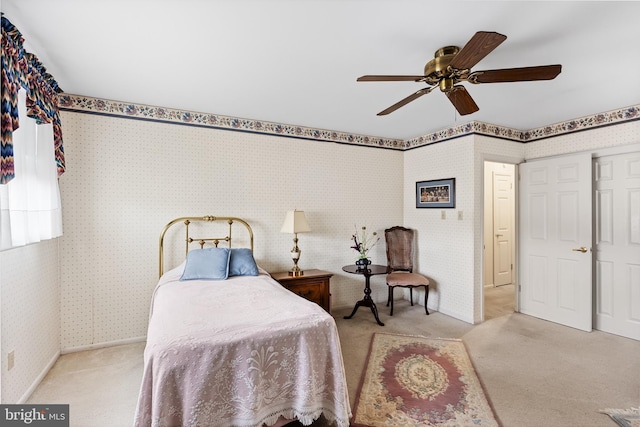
(400, 263)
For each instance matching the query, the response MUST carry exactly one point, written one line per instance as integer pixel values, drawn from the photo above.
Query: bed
(236, 351)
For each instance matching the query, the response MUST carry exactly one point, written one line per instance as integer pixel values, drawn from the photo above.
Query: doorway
(499, 239)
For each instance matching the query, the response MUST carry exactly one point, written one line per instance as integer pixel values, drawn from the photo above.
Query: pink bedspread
(239, 352)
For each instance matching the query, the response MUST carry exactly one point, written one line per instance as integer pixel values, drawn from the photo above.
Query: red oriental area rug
(417, 381)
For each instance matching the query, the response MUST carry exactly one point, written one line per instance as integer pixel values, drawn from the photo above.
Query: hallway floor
(499, 301)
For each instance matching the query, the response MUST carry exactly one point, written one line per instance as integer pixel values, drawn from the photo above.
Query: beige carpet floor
(535, 373)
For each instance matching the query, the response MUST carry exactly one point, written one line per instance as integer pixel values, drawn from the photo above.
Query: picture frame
(440, 193)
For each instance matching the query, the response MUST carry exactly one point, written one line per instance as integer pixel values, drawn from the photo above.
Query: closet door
(555, 244)
(617, 198)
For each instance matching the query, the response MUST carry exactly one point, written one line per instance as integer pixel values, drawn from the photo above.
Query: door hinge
(511, 267)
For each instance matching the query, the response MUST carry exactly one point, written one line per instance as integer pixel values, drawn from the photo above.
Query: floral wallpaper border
(68, 102)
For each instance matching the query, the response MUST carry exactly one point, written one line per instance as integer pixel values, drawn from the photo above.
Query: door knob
(580, 249)
(498, 235)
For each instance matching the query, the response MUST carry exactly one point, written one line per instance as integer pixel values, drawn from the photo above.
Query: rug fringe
(630, 411)
(623, 417)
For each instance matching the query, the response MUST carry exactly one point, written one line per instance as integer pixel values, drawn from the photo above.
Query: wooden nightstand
(313, 285)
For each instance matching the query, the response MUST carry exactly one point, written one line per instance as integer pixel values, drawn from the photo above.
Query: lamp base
(295, 256)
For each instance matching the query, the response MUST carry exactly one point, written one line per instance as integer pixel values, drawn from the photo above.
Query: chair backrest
(399, 248)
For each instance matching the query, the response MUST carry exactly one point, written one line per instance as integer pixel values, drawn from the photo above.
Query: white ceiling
(296, 61)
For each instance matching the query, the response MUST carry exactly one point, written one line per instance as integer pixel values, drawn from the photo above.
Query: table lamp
(295, 222)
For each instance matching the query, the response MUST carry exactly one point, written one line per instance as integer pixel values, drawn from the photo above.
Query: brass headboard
(186, 220)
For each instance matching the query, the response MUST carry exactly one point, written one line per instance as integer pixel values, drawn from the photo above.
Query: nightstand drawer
(313, 285)
(310, 291)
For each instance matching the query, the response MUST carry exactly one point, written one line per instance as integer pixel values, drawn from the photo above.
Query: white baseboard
(27, 394)
(431, 310)
(455, 315)
(103, 345)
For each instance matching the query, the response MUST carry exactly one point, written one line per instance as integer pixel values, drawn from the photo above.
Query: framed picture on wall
(439, 193)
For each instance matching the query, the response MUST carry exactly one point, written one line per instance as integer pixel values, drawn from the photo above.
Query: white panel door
(502, 228)
(555, 257)
(617, 197)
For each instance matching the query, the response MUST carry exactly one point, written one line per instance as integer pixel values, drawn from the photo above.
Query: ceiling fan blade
(390, 78)
(461, 99)
(480, 45)
(543, 72)
(405, 101)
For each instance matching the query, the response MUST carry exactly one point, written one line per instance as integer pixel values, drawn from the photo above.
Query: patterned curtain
(22, 69)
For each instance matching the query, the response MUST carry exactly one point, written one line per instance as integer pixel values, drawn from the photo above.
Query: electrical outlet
(459, 215)
(11, 360)
(443, 214)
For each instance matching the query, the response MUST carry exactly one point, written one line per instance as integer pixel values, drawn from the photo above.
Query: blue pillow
(242, 263)
(207, 264)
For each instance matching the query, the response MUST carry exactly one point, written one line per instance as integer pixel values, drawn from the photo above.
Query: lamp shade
(295, 222)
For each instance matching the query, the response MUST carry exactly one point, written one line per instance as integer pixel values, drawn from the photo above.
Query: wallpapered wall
(29, 278)
(593, 140)
(127, 178)
(448, 250)
(444, 247)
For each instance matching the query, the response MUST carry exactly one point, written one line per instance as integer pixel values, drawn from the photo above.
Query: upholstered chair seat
(403, 279)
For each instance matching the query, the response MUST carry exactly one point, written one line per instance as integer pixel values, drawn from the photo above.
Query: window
(30, 209)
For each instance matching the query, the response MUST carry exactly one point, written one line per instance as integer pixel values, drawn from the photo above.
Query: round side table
(370, 270)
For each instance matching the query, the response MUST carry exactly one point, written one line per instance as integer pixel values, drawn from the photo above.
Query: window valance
(21, 69)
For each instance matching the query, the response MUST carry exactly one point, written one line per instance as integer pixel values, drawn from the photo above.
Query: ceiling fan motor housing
(436, 71)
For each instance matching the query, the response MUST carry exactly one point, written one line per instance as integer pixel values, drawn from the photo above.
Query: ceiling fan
(452, 65)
